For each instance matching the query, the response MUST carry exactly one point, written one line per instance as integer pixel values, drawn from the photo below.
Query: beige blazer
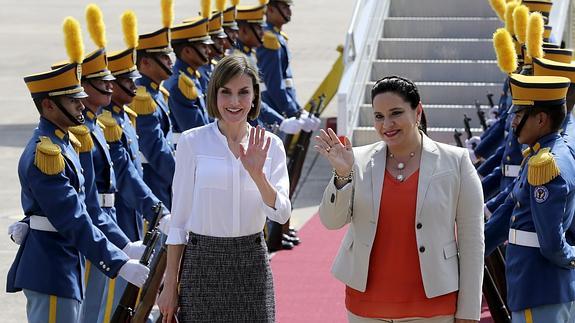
(449, 210)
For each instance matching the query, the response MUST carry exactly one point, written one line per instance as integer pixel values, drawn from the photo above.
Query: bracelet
(347, 178)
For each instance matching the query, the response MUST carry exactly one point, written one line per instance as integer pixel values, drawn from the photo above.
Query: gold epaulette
(165, 92)
(82, 134)
(271, 41)
(48, 157)
(143, 102)
(187, 86)
(132, 115)
(75, 142)
(112, 130)
(542, 168)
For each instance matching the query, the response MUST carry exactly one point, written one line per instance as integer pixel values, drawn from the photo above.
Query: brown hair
(226, 69)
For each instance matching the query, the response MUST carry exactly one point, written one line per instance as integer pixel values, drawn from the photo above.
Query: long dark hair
(403, 87)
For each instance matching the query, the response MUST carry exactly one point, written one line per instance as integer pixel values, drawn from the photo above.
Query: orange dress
(394, 284)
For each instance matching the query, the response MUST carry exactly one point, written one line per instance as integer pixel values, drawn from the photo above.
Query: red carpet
(305, 289)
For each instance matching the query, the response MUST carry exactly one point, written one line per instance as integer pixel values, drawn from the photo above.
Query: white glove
(486, 212)
(164, 224)
(472, 142)
(134, 272)
(134, 250)
(317, 122)
(18, 231)
(291, 125)
(472, 155)
(490, 122)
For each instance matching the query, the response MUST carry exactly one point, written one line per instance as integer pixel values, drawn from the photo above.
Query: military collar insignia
(90, 115)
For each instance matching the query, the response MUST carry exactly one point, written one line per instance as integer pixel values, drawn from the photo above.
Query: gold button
(508, 158)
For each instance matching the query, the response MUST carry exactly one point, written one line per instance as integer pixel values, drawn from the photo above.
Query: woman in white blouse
(229, 178)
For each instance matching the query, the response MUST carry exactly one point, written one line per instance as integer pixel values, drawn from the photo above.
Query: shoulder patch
(112, 130)
(542, 168)
(82, 134)
(143, 102)
(48, 157)
(132, 115)
(271, 41)
(540, 193)
(187, 87)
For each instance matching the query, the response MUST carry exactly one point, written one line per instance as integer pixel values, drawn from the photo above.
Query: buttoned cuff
(281, 210)
(177, 236)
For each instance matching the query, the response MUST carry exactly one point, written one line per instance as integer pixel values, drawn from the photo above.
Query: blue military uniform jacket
(53, 262)
(504, 174)
(154, 138)
(274, 63)
(494, 136)
(545, 275)
(268, 116)
(187, 105)
(206, 73)
(134, 200)
(99, 179)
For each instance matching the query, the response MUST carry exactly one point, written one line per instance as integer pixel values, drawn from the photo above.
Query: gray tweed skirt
(226, 280)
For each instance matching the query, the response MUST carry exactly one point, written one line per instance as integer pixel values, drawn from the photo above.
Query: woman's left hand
(465, 321)
(254, 157)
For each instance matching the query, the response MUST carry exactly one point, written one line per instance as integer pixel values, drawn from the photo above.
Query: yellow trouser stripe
(528, 316)
(87, 273)
(52, 314)
(110, 300)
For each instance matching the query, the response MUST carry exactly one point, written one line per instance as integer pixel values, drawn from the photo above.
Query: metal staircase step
(460, 93)
(438, 115)
(436, 48)
(436, 27)
(440, 8)
(368, 135)
(438, 70)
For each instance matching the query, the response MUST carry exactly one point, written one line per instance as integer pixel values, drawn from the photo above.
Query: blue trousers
(556, 313)
(44, 308)
(95, 282)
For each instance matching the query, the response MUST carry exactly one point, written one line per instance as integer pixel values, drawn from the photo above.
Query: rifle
(125, 310)
(457, 137)
(151, 288)
(466, 121)
(496, 305)
(490, 99)
(480, 115)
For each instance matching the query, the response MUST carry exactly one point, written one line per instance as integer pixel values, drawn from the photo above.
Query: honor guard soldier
(190, 42)
(154, 127)
(95, 159)
(250, 21)
(49, 265)
(134, 200)
(540, 263)
(220, 44)
(231, 26)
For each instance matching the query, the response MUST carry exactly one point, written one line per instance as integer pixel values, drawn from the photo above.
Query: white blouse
(214, 195)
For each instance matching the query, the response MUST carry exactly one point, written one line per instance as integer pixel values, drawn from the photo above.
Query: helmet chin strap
(517, 130)
(217, 50)
(67, 114)
(204, 58)
(253, 29)
(284, 17)
(229, 39)
(126, 90)
(162, 65)
(102, 91)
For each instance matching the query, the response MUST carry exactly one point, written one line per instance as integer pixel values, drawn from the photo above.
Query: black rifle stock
(466, 121)
(490, 99)
(151, 288)
(457, 137)
(481, 115)
(125, 310)
(495, 302)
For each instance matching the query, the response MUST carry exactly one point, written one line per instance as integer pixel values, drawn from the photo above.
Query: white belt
(288, 83)
(106, 200)
(144, 159)
(511, 170)
(176, 137)
(41, 223)
(523, 238)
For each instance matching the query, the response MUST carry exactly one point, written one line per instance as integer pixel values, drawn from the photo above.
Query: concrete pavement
(30, 34)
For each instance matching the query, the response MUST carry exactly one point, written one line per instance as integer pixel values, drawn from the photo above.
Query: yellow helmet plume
(130, 28)
(263, 2)
(95, 23)
(167, 13)
(205, 8)
(509, 24)
(520, 19)
(235, 3)
(73, 40)
(220, 5)
(534, 42)
(499, 7)
(505, 51)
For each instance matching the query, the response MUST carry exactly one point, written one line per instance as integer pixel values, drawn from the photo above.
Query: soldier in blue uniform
(250, 21)
(134, 199)
(540, 264)
(154, 127)
(190, 41)
(53, 194)
(230, 27)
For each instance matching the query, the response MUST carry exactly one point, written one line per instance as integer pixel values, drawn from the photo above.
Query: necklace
(401, 166)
